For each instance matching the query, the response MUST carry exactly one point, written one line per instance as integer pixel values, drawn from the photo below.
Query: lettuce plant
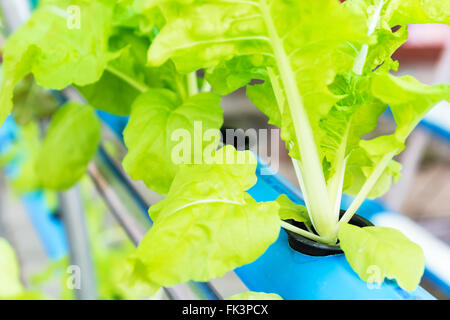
(324, 70)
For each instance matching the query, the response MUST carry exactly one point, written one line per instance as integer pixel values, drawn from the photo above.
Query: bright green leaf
(291, 210)
(378, 252)
(233, 74)
(408, 99)
(56, 49)
(343, 127)
(401, 12)
(363, 161)
(128, 76)
(70, 143)
(173, 135)
(207, 225)
(209, 32)
(32, 102)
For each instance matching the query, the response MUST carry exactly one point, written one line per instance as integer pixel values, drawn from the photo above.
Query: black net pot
(313, 248)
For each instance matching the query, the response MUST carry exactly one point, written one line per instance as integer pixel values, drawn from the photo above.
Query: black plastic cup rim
(313, 248)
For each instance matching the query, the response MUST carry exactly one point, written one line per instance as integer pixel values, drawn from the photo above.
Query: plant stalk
(132, 82)
(192, 83)
(304, 233)
(364, 192)
(360, 61)
(312, 173)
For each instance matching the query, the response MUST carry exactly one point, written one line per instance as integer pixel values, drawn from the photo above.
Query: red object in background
(425, 42)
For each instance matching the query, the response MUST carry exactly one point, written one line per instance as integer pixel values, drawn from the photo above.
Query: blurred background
(422, 194)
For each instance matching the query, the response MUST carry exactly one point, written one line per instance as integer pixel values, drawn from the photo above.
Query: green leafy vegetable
(70, 143)
(325, 83)
(128, 75)
(207, 225)
(233, 74)
(59, 52)
(291, 210)
(169, 122)
(32, 102)
(300, 48)
(318, 69)
(378, 252)
(61, 158)
(401, 12)
(408, 99)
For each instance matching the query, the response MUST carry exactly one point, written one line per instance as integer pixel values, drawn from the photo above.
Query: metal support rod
(133, 228)
(80, 253)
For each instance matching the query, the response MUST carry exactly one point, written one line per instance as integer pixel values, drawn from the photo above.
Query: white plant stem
(365, 190)
(304, 233)
(360, 61)
(312, 174)
(192, 83)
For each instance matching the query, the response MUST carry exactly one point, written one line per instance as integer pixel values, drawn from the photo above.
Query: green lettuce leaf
(237, 72)
(161, 115)
(32, 102)
(356, 113)
(408, 99)
(306, 43)
(207, 225)
(401, 12)
(55, 51)
(378, 252)
(128, 76)
(192, 40)
(291, 210)
(250, 295)
(395, 14)
(363, 161)
(353, 116)
(27, 147)
(376, 90)
(69, 144)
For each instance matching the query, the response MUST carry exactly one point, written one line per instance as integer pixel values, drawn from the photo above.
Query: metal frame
(71, 208)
